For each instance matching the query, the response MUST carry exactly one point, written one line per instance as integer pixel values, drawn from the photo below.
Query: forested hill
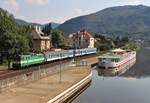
(128, 20)
(23, 22)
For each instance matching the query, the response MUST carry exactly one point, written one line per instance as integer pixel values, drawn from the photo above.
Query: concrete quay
(55, 88)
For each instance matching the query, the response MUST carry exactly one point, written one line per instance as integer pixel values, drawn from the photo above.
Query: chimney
(39, 28)
(36, 28)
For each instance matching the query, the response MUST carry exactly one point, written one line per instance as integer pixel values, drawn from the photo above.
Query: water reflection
(142, 66)
(140, 69)
(129, 87)
(115, 72)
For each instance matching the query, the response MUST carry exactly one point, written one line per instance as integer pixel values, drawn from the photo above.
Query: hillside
(23, 22)
(54, 25)
(130, 20)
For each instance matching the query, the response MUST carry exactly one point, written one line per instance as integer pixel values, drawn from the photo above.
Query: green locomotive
(22, 61)
(28, 60)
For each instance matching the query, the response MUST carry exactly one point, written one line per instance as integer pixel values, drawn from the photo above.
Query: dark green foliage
(11, 34)
(47, 29)
(106, 43)
(58, 39)
(13, 37)
(123, 20)
(131, 45)
(103, 43)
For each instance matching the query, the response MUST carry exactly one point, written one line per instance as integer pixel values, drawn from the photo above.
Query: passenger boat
(117, 59)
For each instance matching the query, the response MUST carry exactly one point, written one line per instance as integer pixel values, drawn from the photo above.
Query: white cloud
(79, 12)
(133, 2)
(38, 2)
(38, 19)
(11, 5)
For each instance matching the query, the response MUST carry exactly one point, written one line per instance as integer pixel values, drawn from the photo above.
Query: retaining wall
(28, 77)
(61, 98)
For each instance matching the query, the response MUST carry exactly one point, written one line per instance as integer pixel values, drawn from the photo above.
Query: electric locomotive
(22, 61)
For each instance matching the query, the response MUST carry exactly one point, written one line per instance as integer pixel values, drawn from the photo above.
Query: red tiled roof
(84, 33)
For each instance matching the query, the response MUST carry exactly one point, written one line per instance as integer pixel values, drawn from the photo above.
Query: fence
(36, 75)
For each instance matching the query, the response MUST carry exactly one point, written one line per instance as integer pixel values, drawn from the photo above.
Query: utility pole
(60, 68)
(74, 50)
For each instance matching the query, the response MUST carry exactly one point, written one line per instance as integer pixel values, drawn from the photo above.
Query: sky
(44, 11)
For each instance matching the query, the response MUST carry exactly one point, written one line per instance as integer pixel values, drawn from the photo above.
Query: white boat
(117, 59)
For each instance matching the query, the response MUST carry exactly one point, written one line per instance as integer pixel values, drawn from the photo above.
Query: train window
(22, 58)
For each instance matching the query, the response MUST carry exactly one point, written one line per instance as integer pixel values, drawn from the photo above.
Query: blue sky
(43, 11)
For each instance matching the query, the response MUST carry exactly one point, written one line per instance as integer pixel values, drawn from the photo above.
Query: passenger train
(22, 61)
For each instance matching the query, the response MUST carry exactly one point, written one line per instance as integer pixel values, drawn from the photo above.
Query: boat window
(104, 58)
(117, 60)
(113, 60)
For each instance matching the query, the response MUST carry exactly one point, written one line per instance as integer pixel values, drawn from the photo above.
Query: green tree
(47, 29)
(131, 45)
(12, 36)
(58, 38)
(24, 32)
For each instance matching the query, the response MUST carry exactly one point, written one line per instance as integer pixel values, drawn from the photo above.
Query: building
(82, 39)
(40, 41)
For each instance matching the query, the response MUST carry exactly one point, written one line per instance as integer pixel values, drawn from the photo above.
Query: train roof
(25, 55)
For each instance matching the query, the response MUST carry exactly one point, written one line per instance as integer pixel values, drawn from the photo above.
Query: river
(133, 86)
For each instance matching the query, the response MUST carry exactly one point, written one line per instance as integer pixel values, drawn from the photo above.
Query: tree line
(16, 39)
(13, 37)
(107, 43)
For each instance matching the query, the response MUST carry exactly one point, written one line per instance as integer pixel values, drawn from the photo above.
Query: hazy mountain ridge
(23, 22)
(128, 20)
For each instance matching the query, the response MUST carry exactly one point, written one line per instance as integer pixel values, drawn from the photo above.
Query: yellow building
(40, 42)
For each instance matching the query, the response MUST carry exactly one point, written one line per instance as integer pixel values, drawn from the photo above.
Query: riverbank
(48, 88)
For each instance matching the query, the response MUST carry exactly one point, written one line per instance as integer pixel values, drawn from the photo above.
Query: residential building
(82, 39)
(40, 41)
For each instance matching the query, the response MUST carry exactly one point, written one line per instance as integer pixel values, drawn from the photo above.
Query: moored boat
(117, 59)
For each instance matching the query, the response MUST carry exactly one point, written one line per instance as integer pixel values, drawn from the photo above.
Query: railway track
(11, 73)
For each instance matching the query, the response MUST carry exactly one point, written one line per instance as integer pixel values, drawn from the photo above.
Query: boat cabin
(109, 58)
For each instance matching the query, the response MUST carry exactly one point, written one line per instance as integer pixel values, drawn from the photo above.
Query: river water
(133, 86)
